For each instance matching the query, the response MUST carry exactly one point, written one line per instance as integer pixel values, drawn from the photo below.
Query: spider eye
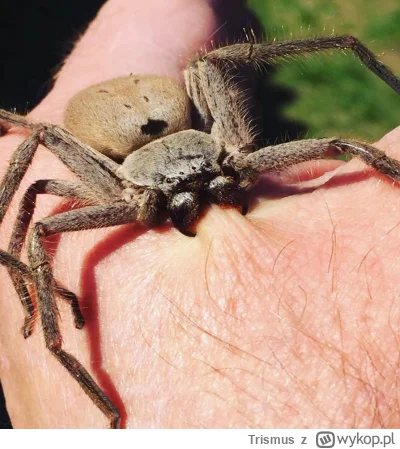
(169, 180)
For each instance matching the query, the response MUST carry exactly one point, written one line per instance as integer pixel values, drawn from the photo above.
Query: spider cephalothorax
(167, 169)
(181, 171)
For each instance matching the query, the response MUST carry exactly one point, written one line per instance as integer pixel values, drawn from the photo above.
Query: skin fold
(287, 317)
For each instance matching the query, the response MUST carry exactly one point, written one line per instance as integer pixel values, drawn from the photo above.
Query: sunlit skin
(287, 317)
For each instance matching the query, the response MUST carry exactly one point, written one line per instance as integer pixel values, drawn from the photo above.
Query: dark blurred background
(35, 36)
(323, 95)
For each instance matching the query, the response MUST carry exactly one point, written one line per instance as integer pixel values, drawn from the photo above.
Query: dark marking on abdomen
(154, 127)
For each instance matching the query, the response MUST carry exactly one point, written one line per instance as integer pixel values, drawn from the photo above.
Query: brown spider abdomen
(119, 116)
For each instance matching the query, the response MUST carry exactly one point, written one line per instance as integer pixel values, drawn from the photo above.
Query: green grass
(334, 94)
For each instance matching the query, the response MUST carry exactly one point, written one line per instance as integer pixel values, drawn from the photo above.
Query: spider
(145, 149)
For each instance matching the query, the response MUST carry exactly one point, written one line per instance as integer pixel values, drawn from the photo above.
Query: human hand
(283, 318)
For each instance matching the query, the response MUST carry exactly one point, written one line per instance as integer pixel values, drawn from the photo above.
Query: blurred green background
(332, 94)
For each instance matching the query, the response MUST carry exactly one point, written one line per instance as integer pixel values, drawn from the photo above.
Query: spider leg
(24, 272)
(9, 119)
(259, 54)
(279, 157)
(89, 217)
(9, 261)
(94, 169)
(216, 83)
(66, 189)
(19, 163)
(72, 299)
(224, 98)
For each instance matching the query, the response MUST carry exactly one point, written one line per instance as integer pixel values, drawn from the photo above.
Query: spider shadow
(267, 188)
(90, 304)
(89, 301)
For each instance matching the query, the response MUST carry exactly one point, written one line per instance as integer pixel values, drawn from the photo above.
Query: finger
(136, 37)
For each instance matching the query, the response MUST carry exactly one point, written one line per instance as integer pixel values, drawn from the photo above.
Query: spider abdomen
(118, 116)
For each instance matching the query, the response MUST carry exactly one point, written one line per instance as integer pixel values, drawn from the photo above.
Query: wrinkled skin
(287, 317)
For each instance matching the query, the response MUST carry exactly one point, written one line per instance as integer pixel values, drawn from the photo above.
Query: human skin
(287, 317)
